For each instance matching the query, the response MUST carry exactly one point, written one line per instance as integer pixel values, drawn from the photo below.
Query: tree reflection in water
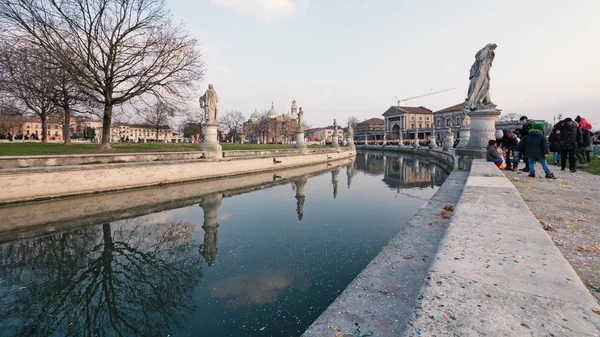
(129, 278)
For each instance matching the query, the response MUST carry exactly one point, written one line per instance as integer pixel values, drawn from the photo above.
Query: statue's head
(210, 86)
(491, 46)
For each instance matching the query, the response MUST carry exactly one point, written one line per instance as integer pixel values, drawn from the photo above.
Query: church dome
(255, 115)
(272, 113)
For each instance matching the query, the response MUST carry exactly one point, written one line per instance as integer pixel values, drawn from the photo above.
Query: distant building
(371, 129)
(137, 132)
(325, 134)
(411, 122)
(271, 127)
(28, 125)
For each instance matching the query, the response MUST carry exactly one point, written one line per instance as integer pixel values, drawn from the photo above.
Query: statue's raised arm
(478, 96)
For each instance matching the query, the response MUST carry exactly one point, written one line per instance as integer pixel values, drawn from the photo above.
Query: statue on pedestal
(479, 88)
(300, 126)
(334, 126)
(208, 102)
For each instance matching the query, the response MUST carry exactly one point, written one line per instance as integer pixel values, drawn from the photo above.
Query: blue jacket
(534, 145)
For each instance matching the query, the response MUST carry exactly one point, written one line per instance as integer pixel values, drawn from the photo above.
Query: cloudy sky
(343, 58)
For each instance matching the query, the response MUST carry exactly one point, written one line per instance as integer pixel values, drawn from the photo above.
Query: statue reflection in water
(299, 185)
(335, 173)
(210, 205)
(128, 278)
(350, 172)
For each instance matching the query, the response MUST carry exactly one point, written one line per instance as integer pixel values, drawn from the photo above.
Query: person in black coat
(554, 140)
(508, 143)
(522, 132)
(583, 153)
(570, 141)
(536, 147)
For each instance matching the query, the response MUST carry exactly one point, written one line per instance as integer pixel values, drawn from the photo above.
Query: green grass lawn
(39, 149)
(593, 166)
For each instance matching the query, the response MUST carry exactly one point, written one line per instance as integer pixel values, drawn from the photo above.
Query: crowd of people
(570, 140)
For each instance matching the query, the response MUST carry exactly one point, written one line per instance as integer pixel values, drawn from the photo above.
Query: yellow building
(139, 132)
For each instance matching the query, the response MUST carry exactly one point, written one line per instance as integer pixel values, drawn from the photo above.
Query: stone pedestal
(335, 141)
(432, 142)
(449, 140)
(210, 142)
(300, 143)
(415, 144)
(350, 142)
(465, 134)
(482, 127)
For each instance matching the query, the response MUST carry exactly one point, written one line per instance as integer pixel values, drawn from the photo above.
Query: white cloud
(225, 70)
(266, 9)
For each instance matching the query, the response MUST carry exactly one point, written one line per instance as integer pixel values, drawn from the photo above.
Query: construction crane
(419, 96)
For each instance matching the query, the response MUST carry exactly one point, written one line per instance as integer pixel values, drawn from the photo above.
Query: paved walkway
(569, 209)
(494, 276)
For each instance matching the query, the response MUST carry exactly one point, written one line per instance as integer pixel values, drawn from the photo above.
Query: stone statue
(479, 87)
(350, 130)
(335, 126)
(208, 102)
(300, 126)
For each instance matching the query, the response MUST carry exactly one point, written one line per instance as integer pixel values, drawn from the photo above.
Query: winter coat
(524, 131)
(534, 145)
(554, 140)
(570, 136)
(509, 141)
(491, 153)
(586, 137)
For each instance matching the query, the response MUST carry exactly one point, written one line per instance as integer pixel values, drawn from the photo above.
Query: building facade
(370, 129)
(272, 127)
(325, 134)
(410, 122)
(139, 133)
(30, 127)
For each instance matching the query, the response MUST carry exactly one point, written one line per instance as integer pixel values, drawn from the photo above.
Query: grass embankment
(593, 166)
(39, 149)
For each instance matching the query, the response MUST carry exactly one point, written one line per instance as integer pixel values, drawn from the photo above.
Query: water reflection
(210, 205)
(142, 276)
(125, 278)
(299, 185)
(335, 176)
(400, 171)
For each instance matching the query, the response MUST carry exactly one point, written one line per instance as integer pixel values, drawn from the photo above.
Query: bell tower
(294, 113)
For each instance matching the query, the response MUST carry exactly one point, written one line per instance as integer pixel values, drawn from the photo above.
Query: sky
(342, 58)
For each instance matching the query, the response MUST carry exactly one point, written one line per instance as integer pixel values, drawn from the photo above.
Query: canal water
(259, 263)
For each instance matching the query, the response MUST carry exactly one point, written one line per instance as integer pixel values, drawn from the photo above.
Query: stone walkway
(569, 209)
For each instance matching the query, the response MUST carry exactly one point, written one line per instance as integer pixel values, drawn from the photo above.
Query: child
(536, 147)
(492, 153)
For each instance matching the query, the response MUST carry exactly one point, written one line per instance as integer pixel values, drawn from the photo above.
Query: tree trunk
(106, 123)
(44, 128)
(67, 125)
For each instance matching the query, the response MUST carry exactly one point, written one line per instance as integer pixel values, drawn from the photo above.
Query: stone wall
(49, 182)
(8, 162)
(25, 220)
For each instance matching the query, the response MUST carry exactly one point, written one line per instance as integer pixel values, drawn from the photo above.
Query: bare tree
(118, 50)
(232, 122)
(263, 127)
(28, 79)
(159, 117)
(352, 121)
(510, 117)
